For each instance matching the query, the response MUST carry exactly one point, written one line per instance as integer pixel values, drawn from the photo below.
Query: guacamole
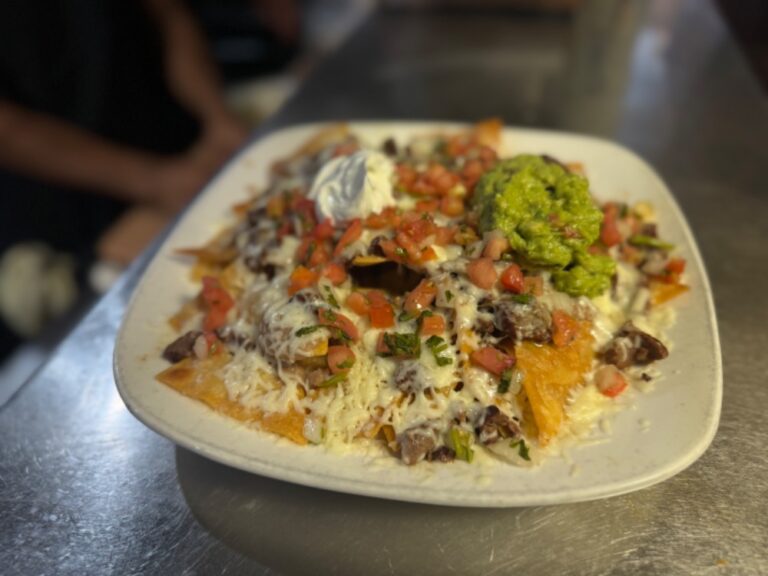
(549, 218)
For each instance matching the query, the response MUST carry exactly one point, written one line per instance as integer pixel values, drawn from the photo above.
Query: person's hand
(222, 136)
(173, 182)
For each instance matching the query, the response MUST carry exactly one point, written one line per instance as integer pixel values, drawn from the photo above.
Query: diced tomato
(452, 206)
(305, 208)
(381, 315)
(445, 182)
(406, 176)
(328, 317)
(324, 230)
(434, 171)
(380, 311)
(301, 278)
(304, 247)
(482, 273)
(444, 235)
(417, 226)
(377, 221)
(495, 247)
(609, 231)
(358, 303)
(676, 265)
(352, 233)
(427, 206)
(534, 285)
(472, 169)
(432, 325)
(334, 272)
(565, 328)
(406, 243)
(320, 254)
(609, 381)
(376, 297)
(512, 279)
(492, 360)
(423, 188)
(674, 269)
(420, 297)
(340, 359)
(218, 303)
(285, 228)
(387, 218)
(392, 251)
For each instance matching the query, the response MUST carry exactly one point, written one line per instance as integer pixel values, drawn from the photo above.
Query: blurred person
(104, 105)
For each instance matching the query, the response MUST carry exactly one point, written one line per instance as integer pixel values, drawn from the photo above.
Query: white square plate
(663, 432)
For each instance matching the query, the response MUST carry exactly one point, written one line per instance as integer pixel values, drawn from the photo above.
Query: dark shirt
(98, 64)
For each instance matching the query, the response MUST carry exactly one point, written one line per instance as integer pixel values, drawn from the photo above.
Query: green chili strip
(522, 449)
(650, 242)
(461, 442)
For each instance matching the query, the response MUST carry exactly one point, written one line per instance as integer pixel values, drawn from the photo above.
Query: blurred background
(114, 114)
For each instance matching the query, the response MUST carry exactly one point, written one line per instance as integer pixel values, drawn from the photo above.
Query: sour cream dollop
(353, 186)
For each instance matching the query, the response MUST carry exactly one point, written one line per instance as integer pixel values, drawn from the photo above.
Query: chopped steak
(182, 347)
(633, 347)
(493, 425)
(416, 443)
(523, 321)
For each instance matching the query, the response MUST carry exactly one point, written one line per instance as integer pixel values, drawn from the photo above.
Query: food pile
(434, 299)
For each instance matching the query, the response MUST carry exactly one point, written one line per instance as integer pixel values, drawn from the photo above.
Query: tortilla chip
(199, 379)
(549, 375)
(214, 256)
(488, 132)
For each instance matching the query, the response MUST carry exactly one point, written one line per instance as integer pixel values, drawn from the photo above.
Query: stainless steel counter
(86, 489)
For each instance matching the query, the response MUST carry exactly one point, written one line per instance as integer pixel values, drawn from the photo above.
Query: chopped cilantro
(406, 316)
(400, 251)
(334, 380)
(522, 298)
(348, 363)
(307, 330)
(522, 449)
(330, 298)
(330, 315)
(448, 295)
(402, 345)
(433, 341)
(624, 212)
(437, 345)
(461, 442)
(505, 381)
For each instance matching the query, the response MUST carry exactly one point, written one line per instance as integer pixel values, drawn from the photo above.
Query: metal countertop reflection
(86, 489)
